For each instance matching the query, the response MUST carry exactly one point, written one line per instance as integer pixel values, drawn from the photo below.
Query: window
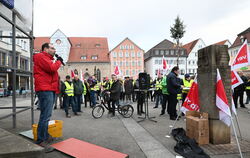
(127, 72)
(10, 38)
(182, 72)
(84, 57)
(127, 54)
(139, 63)
(2, 58)
(172, 52)
(193, 62)
(120, 54)
(121, 47)
(78, 45)
(156, 52)
(114, 63)
(166, 52)
(120, 63)
(132, 54)
(189, 62)
(132, 47)
(114, 54)
(138, 54)
(162, 52)
(133, 63)
(127, 63)
(24, 45)
(160, 61)
(156, 61)
(182, 52)
(133, 72)
(97, 45)
(94, 57)
(1, 34)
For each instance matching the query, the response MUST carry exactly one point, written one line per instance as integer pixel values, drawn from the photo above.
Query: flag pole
(236, 137)
(238, 125)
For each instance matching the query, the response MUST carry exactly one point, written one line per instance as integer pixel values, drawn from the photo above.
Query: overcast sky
(146, 22)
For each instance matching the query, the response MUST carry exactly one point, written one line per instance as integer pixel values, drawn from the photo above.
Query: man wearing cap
(46, 84)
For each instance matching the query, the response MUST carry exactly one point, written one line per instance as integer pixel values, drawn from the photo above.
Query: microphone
(59, 58)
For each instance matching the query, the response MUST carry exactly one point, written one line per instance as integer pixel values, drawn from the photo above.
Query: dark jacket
(241, 88)
(78, 87)
(115, 91)
(128, 86)
(173, 83)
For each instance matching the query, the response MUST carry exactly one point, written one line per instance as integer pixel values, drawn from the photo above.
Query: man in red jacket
(46, 84)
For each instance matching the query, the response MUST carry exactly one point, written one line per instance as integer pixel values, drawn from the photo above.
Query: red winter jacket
(45, 72)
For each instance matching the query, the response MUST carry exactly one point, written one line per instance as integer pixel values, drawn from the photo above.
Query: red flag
(116, 72)
(164, 63)
(159, 72)
(242, 58)
(222, 102)
(72, 74)
(235, 79)
(191, 102)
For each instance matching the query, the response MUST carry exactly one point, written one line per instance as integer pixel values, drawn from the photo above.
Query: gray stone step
(13, 146)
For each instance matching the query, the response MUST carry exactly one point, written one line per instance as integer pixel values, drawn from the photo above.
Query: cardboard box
(197, 126)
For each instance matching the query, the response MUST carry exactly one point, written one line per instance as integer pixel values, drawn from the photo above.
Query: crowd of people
(166, 91)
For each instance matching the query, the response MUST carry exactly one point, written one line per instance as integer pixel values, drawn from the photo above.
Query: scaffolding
(13, 69)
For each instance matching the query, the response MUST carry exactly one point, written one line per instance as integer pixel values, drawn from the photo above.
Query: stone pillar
(209, 59)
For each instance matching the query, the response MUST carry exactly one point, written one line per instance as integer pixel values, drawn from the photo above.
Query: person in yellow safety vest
(158, 91)
(68, 96)
(85, 92)
(92, 82)
(187, 83)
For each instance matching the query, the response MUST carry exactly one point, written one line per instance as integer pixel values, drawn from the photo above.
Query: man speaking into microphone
(46, 84)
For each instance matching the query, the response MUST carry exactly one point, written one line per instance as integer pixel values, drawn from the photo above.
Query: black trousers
(172, 102)
(164, 103)
(236, 95)
(140, 101)
(184, 95)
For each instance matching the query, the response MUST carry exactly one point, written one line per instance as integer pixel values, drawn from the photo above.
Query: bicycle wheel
(97, 111)
(127, 111)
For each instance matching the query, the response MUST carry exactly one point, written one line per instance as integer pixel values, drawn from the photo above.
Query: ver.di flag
(242, 58)
(191, 102)
(222, 102)
(235, 79)
(117, 71)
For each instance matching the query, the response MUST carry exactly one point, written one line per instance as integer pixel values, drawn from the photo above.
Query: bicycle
(126, 110)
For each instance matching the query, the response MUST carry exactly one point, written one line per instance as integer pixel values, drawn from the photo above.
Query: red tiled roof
(88, 46)
(222, 42)
(237, 42)
(190, 46)
(39, 41)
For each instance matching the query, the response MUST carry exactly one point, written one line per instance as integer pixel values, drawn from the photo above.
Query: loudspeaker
(144, 81)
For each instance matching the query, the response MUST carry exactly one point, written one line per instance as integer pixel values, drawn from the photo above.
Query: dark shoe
(139, 114)
(243, 106)
(68, 116)
(50, 139)
(80, 111)
(155, 107)
(173, 118)
(143, 112)
(77, 114)
(55, 108)
(46, 147)
(162, 113)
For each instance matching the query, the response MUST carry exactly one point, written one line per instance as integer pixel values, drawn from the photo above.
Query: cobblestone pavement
(116, 133)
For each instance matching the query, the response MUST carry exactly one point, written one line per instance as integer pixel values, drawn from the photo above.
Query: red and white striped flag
(164, 63)
(72, 74)
(242, 58)
(117, 71)
(222, 102)
(235, 79)
(191, 102)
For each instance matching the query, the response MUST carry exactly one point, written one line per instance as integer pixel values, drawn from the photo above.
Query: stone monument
(209, 59)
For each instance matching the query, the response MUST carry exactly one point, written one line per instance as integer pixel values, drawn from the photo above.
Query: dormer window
(84, 57)
(97, 45)
(78, 45)
(94, 57)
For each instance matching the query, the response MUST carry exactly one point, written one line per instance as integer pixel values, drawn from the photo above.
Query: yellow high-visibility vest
(187, 84)
(158, 85)
(69, 89)
(84, 89)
